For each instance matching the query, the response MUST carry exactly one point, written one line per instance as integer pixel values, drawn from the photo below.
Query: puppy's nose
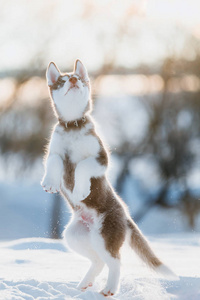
(73, 80)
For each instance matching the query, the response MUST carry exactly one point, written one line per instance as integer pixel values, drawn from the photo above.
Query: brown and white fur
(75, 166)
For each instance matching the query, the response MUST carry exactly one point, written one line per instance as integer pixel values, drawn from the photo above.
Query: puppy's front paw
(49, 187)
(81, 192)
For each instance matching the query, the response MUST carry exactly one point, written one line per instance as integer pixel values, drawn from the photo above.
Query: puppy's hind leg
(113, 264)
(78, 239)
(113, 276)
(96, 267)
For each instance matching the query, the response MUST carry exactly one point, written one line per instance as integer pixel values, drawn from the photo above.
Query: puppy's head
(70, 92)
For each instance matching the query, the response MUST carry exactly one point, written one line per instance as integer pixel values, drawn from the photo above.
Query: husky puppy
(75, 165)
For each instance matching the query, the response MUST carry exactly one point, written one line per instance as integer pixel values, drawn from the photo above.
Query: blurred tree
(174, 128)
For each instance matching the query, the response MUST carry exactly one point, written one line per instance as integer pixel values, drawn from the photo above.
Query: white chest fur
(77, 144)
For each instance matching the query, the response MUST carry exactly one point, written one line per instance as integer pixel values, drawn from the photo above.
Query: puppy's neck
(69, 116)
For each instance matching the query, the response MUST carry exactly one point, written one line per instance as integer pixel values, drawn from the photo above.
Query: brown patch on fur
(69, 171)
(141, 246)
(68, 178)
(104, 201)
(74, 125)
(102, 157)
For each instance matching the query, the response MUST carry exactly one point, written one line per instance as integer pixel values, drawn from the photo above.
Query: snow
(41, 268)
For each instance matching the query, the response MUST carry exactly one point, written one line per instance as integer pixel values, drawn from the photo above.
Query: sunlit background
(143, 58)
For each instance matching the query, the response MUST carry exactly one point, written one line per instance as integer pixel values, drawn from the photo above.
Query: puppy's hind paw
(84, 287)
(106, 292)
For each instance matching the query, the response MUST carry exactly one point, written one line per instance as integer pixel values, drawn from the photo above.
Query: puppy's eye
(59, 84)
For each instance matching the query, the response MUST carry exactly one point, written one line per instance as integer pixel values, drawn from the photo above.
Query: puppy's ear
(52, 73)
(80, 70)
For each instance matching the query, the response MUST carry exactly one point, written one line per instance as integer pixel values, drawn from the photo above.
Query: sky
(184, 11)
(129, 32)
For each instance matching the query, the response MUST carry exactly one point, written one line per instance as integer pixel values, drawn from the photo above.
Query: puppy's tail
(144, 251)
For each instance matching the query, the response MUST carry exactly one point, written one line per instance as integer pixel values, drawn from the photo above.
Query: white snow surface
(41, 268)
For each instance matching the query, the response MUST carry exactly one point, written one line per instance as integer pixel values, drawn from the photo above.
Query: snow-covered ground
(40, 268)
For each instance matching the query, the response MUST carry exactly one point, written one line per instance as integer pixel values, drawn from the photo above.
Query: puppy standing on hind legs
(75, 165)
